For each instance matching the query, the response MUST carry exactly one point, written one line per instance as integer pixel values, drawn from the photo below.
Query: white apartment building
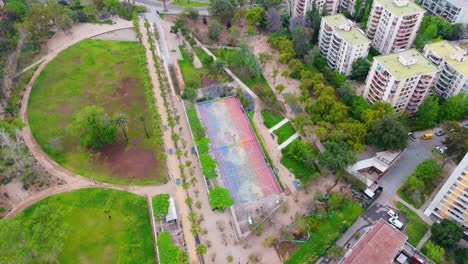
(452, 62)
(401, 79)
(451, 202)
(301, 7)
(393, 24)
(453, 11)
(342, 43)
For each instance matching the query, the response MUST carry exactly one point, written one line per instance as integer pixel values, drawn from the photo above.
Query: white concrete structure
(301, 7)
(401, 79)
(451, 202)
(342, 43)
(453, 11)
(453, 68)
(393, 24)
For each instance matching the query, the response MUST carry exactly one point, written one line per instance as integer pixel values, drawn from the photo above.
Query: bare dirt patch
(128, 160)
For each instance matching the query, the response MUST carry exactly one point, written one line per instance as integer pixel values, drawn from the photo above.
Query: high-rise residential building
(453, 68)
(451, 202)
(393, 24)
(350, 5)
(401, 79)
(301, 7)
(342, 43)
(453, 11)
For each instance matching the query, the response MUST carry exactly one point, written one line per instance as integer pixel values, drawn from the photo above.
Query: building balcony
(324, 50)
(331, 64)
(448, 73)
(420, 90)
(443, 83)
(415, 100)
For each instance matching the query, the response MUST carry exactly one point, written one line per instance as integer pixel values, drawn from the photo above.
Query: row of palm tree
(121, 121)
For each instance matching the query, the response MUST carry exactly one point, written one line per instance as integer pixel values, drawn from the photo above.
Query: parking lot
(435, 140)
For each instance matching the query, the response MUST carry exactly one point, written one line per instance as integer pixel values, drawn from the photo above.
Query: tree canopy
(222, 10)
(360, 69)
(433, 251)
(93, 126)
(220, 198)
(446, 233)
(387, 133)
(336, 156)
(428, 169)
(456, 140)
(428, 112)
(160, 205)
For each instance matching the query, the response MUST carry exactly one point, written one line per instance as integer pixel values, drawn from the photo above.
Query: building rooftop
(445, 49)
(408, 9)
(353, 36)
(392, 64)
(380, 245)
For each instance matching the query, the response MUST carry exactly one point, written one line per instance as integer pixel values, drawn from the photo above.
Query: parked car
(441, 150)
(440, 133)
(427, 136)
(395, 223)
(392, 214)
(412, 136)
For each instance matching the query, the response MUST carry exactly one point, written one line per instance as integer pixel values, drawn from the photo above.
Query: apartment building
(453, 11)
(393, 24)
(350, 5)
(342, 43)
(451, 202)
(453, 68)
(401, 79)
(301, 7)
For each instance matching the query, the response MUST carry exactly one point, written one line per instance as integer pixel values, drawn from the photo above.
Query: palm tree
(121, 121)
(218, 66)
(142, 119)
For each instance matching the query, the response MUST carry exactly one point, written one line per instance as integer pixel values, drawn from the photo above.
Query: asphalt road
(169, 7)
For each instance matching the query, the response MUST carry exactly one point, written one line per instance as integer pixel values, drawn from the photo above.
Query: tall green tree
(454, 108)
(336, 156)
(433, 251)
(222, 10)
(93, 126)
(388, 133)
(376, 112)
(214, 28)
(446, 233)
(220, 198)
(360, 68)
(456, 140)
(428, 112)
(428, 169)
(121, 120)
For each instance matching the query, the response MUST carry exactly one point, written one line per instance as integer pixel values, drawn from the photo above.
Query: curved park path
(56, 44)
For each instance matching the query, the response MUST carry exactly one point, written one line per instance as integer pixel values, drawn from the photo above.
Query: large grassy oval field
(94, 238)
(106, 74)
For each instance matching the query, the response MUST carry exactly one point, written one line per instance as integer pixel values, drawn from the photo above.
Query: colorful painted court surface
(242, 164)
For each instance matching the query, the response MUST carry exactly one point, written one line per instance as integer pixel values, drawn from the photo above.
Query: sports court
(242, 164)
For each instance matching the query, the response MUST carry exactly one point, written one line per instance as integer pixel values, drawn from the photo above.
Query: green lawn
(416, 228)
(284, 132)
(271, 118)
(429, 187)
(93, 238)
(192, 3)
(299, 169)
(328, 232)
(201, 75)
(106, 74)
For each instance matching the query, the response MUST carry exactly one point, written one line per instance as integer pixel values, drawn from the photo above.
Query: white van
(395, 223)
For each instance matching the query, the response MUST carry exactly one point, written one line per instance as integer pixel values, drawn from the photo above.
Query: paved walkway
(288, 141)
(424, 239)
(280, 124)
(395, 198)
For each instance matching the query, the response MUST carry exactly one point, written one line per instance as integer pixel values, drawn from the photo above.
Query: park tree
(296, 66)
(220, 198)
(346, 91)
(428, 112)
(358, 105)
(336, 156)
(301, 39)
(255, 15)
(414, 183)
(120, 120)
(388, 133)
(191, 13)
(446, 233)
(38, 238)
(285, 73)
(189, 93)
(222, 10)
(286, 49)
(273, 18)
(182, 258)
(429, 169)
(264, 58)
(214, 28)
(320, 62)
(239, 15)
(433, 251)
(218, 66)
(15, 10)
(280, 88)
(360, 68)
(315, 20)
(454, 108)
(274, 75)
(456, 140)
(201, 250)
(335, 252)
(461, 255)
(376, 112)
(93, 126)
(234, 35)
(257, 227)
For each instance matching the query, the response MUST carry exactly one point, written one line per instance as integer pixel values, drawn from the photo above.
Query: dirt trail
(172, 163)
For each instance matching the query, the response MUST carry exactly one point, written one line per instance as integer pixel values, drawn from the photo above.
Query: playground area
(242, 164)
